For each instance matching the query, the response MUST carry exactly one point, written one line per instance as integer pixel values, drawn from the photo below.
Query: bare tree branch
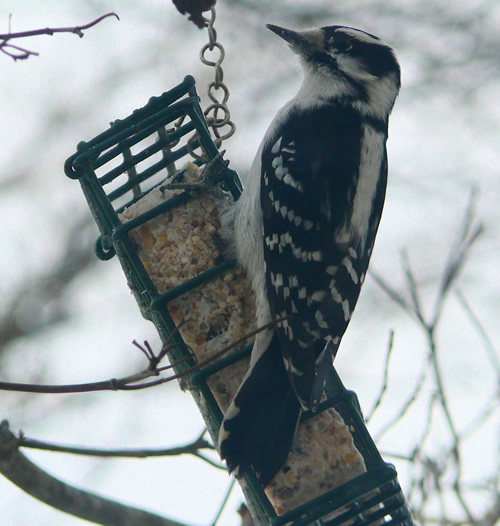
(383, 389)
(413, 397)
(193, 448)
(429, 482)
(135, 381)
(488, 344)
(411, 284)
(224, 501)
(20, 53)
(469, 233)
(46, 488)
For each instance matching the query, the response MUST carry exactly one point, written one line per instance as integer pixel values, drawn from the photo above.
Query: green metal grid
(112, 177)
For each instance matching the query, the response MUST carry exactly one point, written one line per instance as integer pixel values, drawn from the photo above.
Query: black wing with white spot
(317, 238)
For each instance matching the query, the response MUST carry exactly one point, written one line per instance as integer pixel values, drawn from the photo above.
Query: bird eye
(343, 44)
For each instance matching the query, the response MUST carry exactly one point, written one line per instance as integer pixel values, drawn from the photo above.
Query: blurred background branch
(436, 468)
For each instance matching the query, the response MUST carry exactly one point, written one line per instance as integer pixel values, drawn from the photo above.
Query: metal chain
(217, 114)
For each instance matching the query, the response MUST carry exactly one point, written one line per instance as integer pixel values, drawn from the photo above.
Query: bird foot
(209, 177)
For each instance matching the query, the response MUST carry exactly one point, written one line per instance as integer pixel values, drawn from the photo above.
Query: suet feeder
(119, 168)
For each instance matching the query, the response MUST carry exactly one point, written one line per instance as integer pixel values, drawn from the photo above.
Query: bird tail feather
(259, 426)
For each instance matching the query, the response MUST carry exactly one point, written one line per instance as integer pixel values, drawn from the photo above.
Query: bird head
(347, 62)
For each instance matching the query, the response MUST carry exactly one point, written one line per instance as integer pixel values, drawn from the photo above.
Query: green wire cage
(168, 130)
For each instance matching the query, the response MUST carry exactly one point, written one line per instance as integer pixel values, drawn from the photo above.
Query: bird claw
(210, 176)
(214, 168)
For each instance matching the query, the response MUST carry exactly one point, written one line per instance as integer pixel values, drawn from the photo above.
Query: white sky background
(444, 136)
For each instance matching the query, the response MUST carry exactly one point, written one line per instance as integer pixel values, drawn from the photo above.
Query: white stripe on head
(362, 36)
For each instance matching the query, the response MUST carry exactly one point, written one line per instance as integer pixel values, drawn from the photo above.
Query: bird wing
(315, 262)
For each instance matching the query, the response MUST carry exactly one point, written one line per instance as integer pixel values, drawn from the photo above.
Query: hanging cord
(217, 114)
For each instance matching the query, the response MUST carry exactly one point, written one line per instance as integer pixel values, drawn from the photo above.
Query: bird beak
(302, 42)
(294, 38)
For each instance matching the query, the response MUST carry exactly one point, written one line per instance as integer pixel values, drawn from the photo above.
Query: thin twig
(385, 382)
(455, 450)
(395, 296)
(481, 418)
(468, 234)
(209, 461)
(207, 361)
(478, 326)
(78, 30)
(191, 449)
(136, 381)
(417, 452)
(409, 402)
(224, 502)
(19, 53)
(412, 287)
(114, 384)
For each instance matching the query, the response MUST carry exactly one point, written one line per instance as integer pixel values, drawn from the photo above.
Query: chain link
(217, 114)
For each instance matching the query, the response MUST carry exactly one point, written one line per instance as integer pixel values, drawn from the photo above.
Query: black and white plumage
(304, 230)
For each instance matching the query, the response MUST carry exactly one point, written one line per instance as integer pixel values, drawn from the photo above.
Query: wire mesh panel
(117, 169)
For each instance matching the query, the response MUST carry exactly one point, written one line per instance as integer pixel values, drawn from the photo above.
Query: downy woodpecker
(304, 230)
